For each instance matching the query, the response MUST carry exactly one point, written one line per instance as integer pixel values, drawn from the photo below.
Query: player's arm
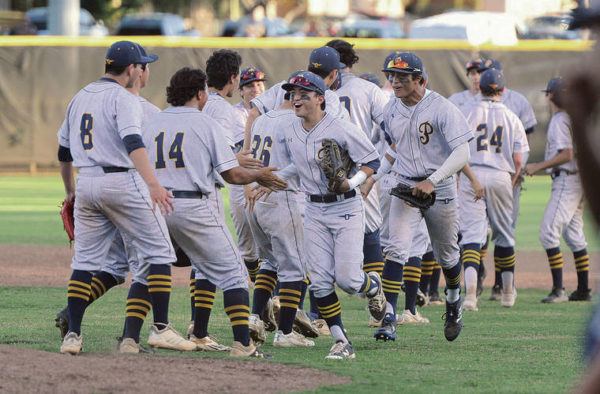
(454, 163)
(475, 184)
(159, 195)
(518, 161)
(252, 115)
(564, 156)
(263, 176)
(66, 171)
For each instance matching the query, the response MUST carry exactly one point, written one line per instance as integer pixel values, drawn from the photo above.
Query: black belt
(187, 194)
(108, 170)
(328, 198)
(556, 173)
(415, 178)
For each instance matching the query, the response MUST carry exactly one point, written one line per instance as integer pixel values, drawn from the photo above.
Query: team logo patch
(109, 61)
(316, 65)
(425, 129)
(347, 216)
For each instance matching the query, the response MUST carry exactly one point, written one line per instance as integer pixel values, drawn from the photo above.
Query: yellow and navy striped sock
(435, 277)
(305, 284)
(78, 296)
(452, 276)
(471, 256)
(159, 287)
(373, 258)
(555, 259)
(330, 309)
(582, 264)
(289, 299)
(101, 283)
(411, 278)
(253, 267)
(504, 257)
(236, 302)
(138, 306)
(376, 266)
(192, 292)
(265, 284)
(392, 282)
(427, 264)
(204, 298)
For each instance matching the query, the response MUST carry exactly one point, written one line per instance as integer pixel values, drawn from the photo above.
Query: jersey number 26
(175, 152)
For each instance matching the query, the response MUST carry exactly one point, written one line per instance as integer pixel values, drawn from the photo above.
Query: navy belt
(329, 198)
(109, 170)
(187, 194)
(415, 178)
(557, 173)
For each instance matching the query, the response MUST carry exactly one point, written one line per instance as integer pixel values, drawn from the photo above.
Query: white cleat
(507, 299)
(408, 318)
(169, 338)
(293, 339)
(470, 303)
(71, 344)
(208, 344)
(129, 346)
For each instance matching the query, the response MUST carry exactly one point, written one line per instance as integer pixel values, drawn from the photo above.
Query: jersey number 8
(265, 149)
(496, 140)
(87, 124)
(175, 152)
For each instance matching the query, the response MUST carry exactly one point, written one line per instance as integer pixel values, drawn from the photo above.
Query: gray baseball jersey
(518, 104)
(425, 135)
(272, 98)
(148, 109)
(223, 113)
(465, 101)
(97, 119)
(559, 138)
(189, 147)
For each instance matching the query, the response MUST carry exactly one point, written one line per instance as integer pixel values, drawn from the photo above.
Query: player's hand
(247, 161)
(531, 168)
(423, 189)
(366, 187)
(70, 197)
(256, 194)
(479, 190)
(267, 179)
(161, 197)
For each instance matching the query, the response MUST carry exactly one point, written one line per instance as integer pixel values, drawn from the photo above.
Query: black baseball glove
(335, 163)
(404, 192)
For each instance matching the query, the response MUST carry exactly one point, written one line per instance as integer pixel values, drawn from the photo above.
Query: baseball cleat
(581, 295)
(556, 296)
(239, 350)
(387, 331)
(303, 325)
(321, 325)
(434, 298)
(190, 329)
(208, 344)
(470, 303)
(62, 322)
(496, 293)
(293, 339)
(377, 301)
(169, 338)
(453, 317)
(407, 317)
(341, 351)
(268, 317)
(71, 344)
(508, 298)
(422, 299)
(129, 346)
(257, 329)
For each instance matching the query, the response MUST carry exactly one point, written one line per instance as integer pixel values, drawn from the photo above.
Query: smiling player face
(305, 102)
(403, 84)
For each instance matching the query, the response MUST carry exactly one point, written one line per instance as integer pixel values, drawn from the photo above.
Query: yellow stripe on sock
(289, 305)
(240, 322)
(207, 299)
(234, 307)
(80, 284)
(140, 301)
(290, 291)
(329, 307)
(289, 298)
(269, 289)
(76, 295)
(159, 290)
(200, 305)
(156, 276)
(391, 282)
(332, 313)
(79, 290)
(137, 309)
(266, 278)
(238, 314)
(134, 314)
(159, 283)
(205, 292)
(99, 282)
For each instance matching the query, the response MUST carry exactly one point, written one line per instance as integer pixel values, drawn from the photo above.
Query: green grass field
(530, 348)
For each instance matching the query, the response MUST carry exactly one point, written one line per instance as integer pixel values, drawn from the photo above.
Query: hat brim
(247, 81)
(290, 86)
(150, 58)
(401, 70)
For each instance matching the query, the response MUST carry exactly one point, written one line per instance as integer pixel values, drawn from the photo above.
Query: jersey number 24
(175, 152)
(495, 140)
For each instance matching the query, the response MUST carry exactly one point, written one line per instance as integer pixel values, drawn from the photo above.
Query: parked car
(154, 24)
(267, 27)
(553, 26)
(372, 28)
(88, 26)
(475, 27)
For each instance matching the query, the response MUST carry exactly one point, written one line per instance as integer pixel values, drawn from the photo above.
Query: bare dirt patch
(32, 265)
(96, 373)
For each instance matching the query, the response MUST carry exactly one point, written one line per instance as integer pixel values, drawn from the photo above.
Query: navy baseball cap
(405, 62)
(490, 63)
(124, 53)
(471, 64)
(390, 57)
(325, 58)
(307, 81)
(491, 80)
(251, 74)
(556, 84)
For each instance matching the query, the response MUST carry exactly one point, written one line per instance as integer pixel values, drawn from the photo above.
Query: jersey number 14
(175, 152)
(495, 140)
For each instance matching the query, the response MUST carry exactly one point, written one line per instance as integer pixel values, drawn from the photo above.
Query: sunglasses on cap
(252, 75)
(400, 64)
(301, 81)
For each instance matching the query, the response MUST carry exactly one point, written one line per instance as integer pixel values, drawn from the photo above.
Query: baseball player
(277, 226)
(518, 104)
(429, 151)
(116, 189)
(333, 223)
(496, 154)
(564, 212)
(189, 148)
(469, 98)
(251, 85)
(364, 101)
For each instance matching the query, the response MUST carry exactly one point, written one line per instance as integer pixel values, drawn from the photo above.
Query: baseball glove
(67, 214)
(335, 163)
(404, 192)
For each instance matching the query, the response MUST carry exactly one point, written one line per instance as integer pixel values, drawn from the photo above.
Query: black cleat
(62, 322)
(387, 331)
(581, 295)
(496, 293)
(453, 317)
(556, 296)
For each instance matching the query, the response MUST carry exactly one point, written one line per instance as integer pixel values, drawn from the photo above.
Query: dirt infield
(26, 265)
(93, 373)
